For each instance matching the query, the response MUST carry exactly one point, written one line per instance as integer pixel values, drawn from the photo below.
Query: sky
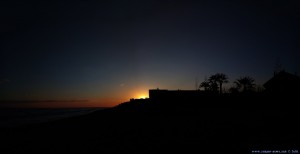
(85, 53)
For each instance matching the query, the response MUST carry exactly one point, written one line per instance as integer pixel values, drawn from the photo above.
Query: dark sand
(148, 127)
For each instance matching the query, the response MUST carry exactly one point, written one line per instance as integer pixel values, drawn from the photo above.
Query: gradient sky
(108, 52)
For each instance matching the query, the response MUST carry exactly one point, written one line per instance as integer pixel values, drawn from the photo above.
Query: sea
(18, 117)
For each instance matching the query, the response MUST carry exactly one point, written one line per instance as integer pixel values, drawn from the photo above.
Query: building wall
(174, 94)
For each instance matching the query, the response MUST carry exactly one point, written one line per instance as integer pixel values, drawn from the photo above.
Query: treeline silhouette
(215, 84)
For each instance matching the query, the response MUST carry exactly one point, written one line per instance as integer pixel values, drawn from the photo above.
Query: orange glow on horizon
(100, 102)
(142, 97)
(140, 94)
(110, 100)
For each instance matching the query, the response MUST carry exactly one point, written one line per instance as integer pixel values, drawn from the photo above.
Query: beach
(211, 130)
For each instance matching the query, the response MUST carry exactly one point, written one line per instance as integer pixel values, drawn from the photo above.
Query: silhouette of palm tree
(205, 84)
(246, 83)
(218, 79)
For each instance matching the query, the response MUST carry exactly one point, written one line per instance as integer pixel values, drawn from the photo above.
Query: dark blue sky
(115, 50)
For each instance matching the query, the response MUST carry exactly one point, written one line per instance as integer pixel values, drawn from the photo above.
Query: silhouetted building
(176, 95)
(283, 83)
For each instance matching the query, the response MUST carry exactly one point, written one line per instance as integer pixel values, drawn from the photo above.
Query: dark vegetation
(198, 121)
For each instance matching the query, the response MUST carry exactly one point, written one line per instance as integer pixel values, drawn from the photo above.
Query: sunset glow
(142, 97)
(111, 55)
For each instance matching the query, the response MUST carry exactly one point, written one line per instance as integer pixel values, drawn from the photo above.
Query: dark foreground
(149, 127)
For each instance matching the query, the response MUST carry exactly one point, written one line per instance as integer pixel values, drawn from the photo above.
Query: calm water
(17, 117)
